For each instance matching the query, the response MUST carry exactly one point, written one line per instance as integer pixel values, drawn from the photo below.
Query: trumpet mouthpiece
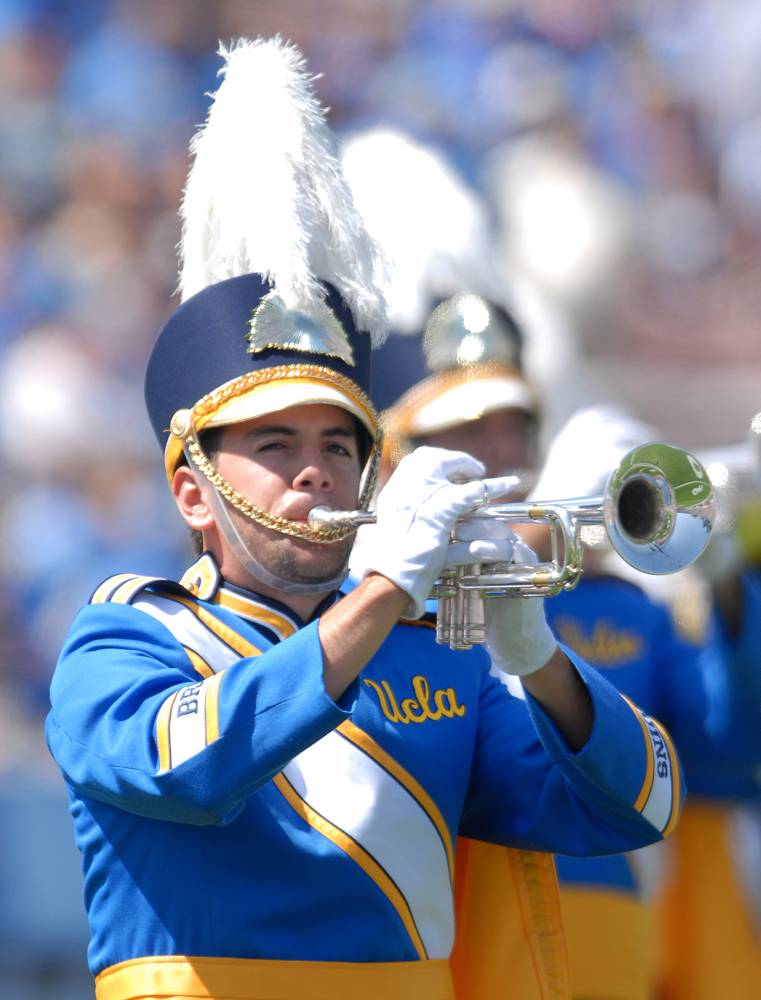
(323, 517)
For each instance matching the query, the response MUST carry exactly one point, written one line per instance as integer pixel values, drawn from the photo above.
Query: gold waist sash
(181, 977)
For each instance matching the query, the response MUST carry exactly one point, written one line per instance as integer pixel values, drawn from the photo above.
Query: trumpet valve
(474, 624)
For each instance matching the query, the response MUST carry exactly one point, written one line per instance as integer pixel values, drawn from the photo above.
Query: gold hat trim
(234, 401)
(400, 419)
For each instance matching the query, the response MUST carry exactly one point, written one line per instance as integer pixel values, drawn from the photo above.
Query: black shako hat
(278, 276)
(204, 361)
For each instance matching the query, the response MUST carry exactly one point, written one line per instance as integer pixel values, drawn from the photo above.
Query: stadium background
(617, 147)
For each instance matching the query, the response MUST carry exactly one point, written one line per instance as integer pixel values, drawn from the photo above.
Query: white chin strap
(248, 560)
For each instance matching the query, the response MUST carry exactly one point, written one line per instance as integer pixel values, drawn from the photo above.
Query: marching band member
(710, 905)
(609, 919)
(267, 778)
(666, 659)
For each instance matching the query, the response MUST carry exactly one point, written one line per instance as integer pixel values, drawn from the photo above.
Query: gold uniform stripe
(108, 586)
(162, 732)
(212, 708)
(647, 784)
(358, 854)
(266, 616)
(241, 646)
(189, 977)
(360, 738)
(675, 781)
(124, 593)
(199, 664)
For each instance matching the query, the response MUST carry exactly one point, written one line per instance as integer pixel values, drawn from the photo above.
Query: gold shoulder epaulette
(123, 588)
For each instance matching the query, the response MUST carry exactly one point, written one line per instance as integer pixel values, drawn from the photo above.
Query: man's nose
(314, 474)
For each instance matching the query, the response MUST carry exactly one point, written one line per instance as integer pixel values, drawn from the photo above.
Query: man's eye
(271, 446)
(338, 449)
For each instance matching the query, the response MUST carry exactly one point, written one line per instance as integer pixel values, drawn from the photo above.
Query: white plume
(266, 194)
(432, 228)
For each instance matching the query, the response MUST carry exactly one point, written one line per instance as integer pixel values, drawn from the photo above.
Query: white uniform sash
(344, 785)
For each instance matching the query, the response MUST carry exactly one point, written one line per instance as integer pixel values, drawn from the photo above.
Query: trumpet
(657, 510)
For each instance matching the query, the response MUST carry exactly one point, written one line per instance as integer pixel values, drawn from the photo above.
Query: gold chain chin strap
(183, 426)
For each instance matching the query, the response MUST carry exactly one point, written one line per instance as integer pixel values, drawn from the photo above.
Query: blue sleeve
(622, 790)
(123, 680)
(743, 651)
(690, 694)
(733, 768)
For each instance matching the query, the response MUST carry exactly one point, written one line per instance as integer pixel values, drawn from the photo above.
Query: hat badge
(313, 330)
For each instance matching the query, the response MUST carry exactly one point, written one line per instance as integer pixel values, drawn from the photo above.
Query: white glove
(586, 450)
(416, 512)
(481, 540)
(518, 637)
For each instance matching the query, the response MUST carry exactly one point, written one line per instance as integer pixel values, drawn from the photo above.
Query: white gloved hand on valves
(416, 512)
(481, 540)
(518, 638)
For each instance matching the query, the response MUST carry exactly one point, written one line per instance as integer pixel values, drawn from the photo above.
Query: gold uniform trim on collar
(205, 582)
(255, 612)
(221, 630)
(203, 578)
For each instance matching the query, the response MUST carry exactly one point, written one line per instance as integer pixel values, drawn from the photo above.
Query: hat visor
(468, 401)
(273, 397)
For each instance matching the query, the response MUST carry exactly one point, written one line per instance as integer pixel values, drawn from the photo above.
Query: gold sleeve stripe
(647, 784)
(675, 780)
(358, 854)
(366, 743)
(212, 707)
(266, 616)
(108, 586)
(162, 733)
(199, 664)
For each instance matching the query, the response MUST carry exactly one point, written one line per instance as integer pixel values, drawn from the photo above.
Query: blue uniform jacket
(225, 805)
(739, 776)
(685, 685)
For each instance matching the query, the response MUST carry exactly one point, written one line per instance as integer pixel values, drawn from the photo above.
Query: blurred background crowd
(616, 146)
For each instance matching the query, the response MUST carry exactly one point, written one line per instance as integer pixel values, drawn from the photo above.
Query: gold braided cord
(210, 403)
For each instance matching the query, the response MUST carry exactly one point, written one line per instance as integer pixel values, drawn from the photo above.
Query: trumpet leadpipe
(326, 517)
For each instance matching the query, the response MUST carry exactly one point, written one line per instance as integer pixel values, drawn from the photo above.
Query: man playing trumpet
(254, 817)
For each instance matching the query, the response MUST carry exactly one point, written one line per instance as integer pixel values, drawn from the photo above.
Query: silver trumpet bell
(657, 510)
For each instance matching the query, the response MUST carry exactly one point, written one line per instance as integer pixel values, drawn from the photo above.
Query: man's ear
(189, 497)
